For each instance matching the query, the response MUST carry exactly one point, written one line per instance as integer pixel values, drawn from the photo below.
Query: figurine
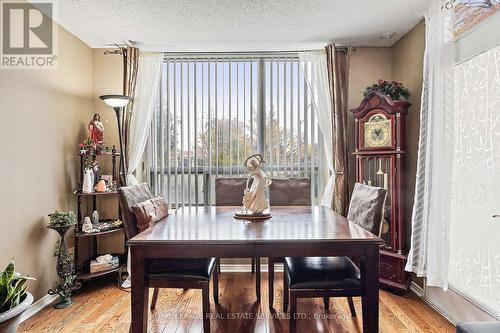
(87, 225)
(254, 198)
(88, 181)
(96, 129)
(101, 186)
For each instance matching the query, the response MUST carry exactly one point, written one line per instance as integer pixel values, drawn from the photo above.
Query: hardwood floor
(101, 307)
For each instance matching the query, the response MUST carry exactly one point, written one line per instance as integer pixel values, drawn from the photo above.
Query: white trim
(479, 39)
(245, 268)
(38, 306)
(420, 292)
(417, 290)
(441, 310)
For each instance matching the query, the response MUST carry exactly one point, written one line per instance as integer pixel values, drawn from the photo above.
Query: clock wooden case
(380, 161)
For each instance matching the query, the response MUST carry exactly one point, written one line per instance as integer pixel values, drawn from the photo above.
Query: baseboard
(419, 291)
(245, 268)
(38, 306)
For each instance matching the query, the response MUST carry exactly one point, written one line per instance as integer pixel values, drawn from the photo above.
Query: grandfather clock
(380, 161)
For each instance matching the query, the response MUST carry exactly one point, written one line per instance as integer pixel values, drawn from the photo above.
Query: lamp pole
(117, 102)
(123, 177)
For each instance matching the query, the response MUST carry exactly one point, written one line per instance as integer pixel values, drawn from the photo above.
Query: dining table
(213, 231)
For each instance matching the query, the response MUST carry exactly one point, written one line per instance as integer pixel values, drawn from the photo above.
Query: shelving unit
(83, 268)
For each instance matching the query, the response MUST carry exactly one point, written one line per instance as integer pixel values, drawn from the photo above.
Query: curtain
(429, 252)
(130, 66)
(146, 99)
(338, 78)
(314, 66)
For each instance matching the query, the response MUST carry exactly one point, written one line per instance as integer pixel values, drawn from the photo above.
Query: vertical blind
(215, 111)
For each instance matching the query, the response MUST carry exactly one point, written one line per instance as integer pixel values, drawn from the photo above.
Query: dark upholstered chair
(333, 276)
(488, 327)
(229, 192)
(170, 273)
(290, 192)
(286, 192)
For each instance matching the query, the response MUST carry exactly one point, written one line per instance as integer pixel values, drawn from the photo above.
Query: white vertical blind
(217, 110)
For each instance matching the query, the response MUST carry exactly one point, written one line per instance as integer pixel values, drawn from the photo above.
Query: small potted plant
(14, 298)
(62, 222)
(394, 89)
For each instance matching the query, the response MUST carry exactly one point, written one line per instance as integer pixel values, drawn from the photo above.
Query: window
(216, 111)
(474, 243)
(468, 13)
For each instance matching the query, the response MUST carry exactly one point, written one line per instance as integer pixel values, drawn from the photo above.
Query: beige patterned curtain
(338, 77)
(130, 66)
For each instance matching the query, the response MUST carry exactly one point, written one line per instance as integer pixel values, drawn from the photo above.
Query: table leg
(370, 300)
(270, 281)
(139, 293)
(257, 278)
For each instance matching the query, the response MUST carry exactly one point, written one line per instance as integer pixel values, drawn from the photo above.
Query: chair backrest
(129, 196)
(290, 192)
(366, 208)
(229, 191)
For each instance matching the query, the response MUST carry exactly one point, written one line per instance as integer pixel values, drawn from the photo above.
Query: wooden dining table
(201, 232)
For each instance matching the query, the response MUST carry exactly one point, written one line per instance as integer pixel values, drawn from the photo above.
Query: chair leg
(205, 294)
(216, 284)
(293, 312)
(154, 299)
(285, 289)
(253, 265)
(351, 306)
(326, 303)
(270, 282)
(257, 278)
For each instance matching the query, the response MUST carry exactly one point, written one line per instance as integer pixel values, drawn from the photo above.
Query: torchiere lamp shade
(116, 101)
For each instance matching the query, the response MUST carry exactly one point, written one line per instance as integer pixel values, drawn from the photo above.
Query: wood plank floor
(101, 307)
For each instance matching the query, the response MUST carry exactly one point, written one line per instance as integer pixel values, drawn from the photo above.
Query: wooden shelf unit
(82, 269)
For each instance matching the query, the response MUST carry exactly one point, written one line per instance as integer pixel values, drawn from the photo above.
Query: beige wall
(43, 115)
(367, 65)
(407, 66)
(402, 62)
(107, 74)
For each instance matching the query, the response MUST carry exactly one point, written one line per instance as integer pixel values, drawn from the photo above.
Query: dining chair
(172, 272)
(286, 192)
(229, 192)
(306, 277)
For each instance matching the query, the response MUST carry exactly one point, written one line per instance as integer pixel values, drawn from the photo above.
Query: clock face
(378, 132)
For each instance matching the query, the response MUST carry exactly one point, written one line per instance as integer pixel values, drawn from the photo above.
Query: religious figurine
(96, 129)
(254, 198)
(88, 181)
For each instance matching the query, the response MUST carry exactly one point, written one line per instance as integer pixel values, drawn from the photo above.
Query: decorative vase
(65, 270)
(10, 319)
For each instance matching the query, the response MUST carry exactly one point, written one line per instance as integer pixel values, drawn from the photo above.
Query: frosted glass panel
(474, 232)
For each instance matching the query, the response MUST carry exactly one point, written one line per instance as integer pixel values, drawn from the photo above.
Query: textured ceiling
(244, 25)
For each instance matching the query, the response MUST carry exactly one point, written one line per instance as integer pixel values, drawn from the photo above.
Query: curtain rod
(254, 54)
(250, 54)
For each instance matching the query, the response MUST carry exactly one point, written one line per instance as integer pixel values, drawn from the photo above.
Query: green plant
(62, 219)
(12, 287)
(395, 89)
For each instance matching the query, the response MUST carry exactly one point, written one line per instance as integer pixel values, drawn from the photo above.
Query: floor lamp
(118, 102)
